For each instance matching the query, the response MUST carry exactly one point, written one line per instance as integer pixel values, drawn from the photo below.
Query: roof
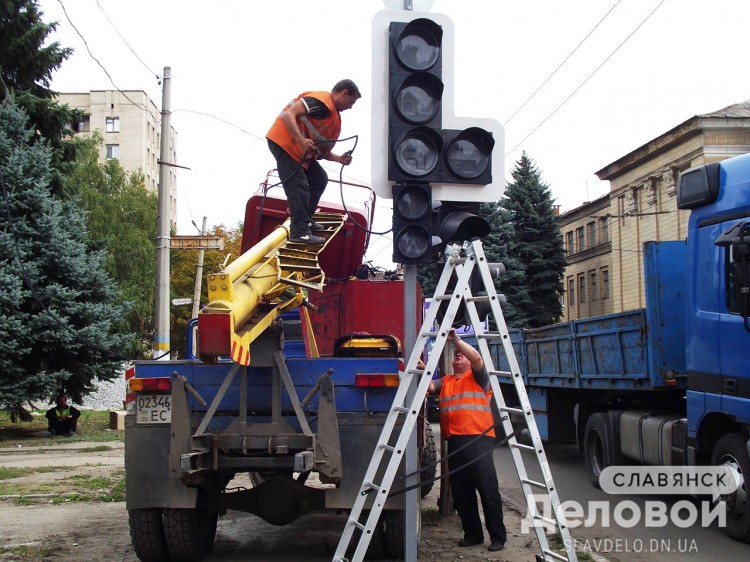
(738, 110)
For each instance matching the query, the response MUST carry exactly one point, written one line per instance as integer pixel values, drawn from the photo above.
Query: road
(644, 544)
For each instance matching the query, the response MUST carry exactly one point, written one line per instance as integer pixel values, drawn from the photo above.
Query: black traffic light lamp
(412, 223)
(468, 156)
(459, 221)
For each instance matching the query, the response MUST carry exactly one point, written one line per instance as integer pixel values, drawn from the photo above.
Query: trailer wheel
(597, 446)
(428, 458)
(147, 535)
(731, 451)
(376, 550)
(189, 533)
(395, 533)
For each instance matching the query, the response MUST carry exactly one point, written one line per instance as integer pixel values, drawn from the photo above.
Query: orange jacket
(318, 130)
(464, 407)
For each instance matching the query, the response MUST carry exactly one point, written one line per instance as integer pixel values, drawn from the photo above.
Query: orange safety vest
(464, 407)
(318, 130)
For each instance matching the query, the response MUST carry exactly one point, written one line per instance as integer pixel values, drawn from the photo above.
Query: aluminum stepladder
(389, 454)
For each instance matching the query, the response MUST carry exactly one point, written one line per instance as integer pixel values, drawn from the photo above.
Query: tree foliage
(539, 244)
(26, 67)
(58, 307)
(121, 216)
(183, 264)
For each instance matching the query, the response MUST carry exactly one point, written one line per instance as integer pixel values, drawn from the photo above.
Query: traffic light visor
(469, 153)
(418, 45)
(417, 99)
(417, 151)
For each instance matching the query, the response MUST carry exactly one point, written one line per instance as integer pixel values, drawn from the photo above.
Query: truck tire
(598, 445)
(395, 533)
(147, 535)
(428, 458)
(189, 533)
(376, 550)
(731, 450)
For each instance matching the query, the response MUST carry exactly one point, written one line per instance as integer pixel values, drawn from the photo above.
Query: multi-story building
(606, 237)
(131, 126)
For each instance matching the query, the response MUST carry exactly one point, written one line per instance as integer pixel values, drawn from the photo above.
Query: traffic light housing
(412, 223)
(459, 221)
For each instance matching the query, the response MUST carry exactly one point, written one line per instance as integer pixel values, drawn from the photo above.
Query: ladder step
(401, 409)
(489, 335)
(534, 483)
(522, 446)
(442, 297)
(429, 334)
(555, 555)
(358, 525)
(511, 410)
(501, 373)
(386, 447)
(371, 486)
(479, 298)
(546, 520)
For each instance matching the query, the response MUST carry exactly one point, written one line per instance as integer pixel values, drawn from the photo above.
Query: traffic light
(412, 223)
(459, 221)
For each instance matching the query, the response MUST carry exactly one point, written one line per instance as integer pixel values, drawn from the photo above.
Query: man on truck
(466, 423)
(305, 131)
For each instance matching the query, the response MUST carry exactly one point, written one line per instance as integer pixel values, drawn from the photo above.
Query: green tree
(27, 62)
(500, 247)
(183, 264)
(58, 307)
(121, 216)
(539, 244)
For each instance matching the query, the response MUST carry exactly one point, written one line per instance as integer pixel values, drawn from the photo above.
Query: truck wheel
(395, 533)
(376, 550)
(189, 533)
(731, 451)
(428, 457)
(147, 535)
(597, 446)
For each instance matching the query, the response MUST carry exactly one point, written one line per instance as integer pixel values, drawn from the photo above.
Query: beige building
(131, 126)
(604, 239)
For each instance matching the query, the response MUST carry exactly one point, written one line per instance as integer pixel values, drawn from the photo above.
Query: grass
(8, 472)
(93, 425)
(28, 552)
(77, 487)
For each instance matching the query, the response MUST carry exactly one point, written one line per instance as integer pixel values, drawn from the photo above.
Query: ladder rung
(555, 555)
(429, 334)
(479, 298)
(442, 297)
(401, 409)
(511, 410)
(501, 373)
(546, 520)
(389, 448)
(522, 446)
(419, 372)
(489, 335)
(358, 525)
(371, 486)
(534, 483)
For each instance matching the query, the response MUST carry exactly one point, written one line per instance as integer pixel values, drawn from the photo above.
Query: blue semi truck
(668, 384)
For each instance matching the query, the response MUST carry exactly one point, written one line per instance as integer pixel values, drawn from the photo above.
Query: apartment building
(640, 206)
(131, 126)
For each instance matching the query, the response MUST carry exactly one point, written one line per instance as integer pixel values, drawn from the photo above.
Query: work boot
(495, 546)
(316, 226)
(470, 541)
(307, 239)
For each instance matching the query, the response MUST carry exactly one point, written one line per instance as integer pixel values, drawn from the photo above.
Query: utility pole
(198, 276)
(161, 308)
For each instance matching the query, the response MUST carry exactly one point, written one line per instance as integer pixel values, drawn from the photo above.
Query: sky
(577, 84)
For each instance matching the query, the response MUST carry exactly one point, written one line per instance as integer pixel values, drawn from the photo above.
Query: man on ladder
(465, 417)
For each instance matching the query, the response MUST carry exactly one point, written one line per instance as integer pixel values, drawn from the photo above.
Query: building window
(113, 152)
(82, 126)
(581, 239)
(605, 284)
(113, 124)
(621, 208)
(604, 228)
(569, 243)
(582, 288)
(594, 293)
(591, 227)
(571, 291)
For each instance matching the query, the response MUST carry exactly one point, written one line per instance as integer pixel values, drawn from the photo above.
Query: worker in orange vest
(304, 132)
(465, 417)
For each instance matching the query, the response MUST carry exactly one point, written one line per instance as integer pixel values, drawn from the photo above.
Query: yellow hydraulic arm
(251, 292)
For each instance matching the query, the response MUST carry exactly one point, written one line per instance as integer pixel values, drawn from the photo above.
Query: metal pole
(410, 339)
(161, 308)
(198, 276)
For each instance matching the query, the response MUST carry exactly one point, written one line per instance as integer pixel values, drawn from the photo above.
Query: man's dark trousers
(479, 476)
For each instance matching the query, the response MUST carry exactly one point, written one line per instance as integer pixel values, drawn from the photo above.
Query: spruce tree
(539, 244)
(26, 67)
(58, 307)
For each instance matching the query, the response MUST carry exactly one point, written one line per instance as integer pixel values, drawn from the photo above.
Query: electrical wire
(587, 78)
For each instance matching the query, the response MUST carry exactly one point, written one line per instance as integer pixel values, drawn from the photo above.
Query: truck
(291, 369)
(668, 384)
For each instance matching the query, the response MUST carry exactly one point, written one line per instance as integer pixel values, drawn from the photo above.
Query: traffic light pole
(411, 528)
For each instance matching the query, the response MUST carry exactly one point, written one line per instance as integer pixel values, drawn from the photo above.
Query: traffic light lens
(469, 153)
(413, 241)
(417, 151)
(418, 98)
(413, 204)
(418, 46)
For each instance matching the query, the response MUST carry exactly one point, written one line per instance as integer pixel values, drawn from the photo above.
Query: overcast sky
(646, 68)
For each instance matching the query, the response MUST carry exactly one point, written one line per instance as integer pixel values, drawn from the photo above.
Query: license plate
(153, 408)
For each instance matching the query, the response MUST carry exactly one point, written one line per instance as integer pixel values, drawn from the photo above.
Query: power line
(587, 79)
(562, 63)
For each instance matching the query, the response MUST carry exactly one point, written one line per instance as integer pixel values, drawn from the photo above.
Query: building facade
(641, 206)
(130, 124)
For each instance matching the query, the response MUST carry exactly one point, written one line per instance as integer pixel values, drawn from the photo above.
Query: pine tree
(539, 244)
(26, 67)
(58, 308)
(499, 247)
